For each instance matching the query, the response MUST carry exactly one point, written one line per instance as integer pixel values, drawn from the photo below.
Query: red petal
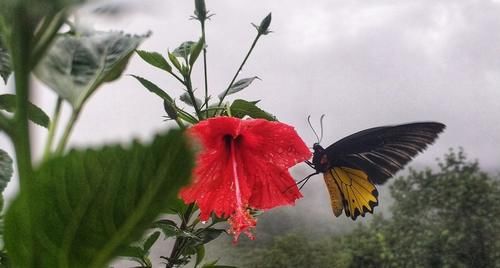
(263, 152)
(271, 186)
(274, 142)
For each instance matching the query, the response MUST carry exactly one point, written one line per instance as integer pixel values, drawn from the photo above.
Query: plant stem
(205, 71)
(189, 88)
(52, 129)
(46, 34)
(67, 131)
(240, 68)
(21, 46)
(179, 241)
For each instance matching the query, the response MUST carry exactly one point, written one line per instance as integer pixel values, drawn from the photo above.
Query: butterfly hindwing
(351, 190)
(336, 197)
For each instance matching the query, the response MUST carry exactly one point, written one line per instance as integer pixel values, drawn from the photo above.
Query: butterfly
(352, 166)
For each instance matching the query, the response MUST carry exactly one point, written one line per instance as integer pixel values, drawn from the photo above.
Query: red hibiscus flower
(243, 164)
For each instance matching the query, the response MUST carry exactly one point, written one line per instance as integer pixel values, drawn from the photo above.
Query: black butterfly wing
(382, 151)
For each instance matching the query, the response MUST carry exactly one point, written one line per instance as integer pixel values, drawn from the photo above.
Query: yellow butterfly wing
(350, 189)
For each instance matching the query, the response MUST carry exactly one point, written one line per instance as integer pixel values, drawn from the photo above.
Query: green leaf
(241, 108)
(151, 240)
(187, 99)
(195, 51)
(133, 252)
(170, 109)
(170, 229)
(155, 59)
(177, 206)
(75, 66)
(209, 234)
(153, 88)
(175, 62)
(35, 114)
(238, 86)
(99, 201)
(5, 68)
(5, 170)
(200, 254)
(184, 49)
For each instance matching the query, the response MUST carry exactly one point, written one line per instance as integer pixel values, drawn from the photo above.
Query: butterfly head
(320, 158)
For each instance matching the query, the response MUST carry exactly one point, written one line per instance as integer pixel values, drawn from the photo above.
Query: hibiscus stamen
(241, 220)
(235, 175)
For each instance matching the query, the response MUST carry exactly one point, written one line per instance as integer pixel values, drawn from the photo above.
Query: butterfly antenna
(310, 125)
(321, 126)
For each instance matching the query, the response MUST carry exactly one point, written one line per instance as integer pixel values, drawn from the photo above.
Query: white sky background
(362, 63)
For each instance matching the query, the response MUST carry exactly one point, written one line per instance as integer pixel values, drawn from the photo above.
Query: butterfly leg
(309, 163)
(304, 180)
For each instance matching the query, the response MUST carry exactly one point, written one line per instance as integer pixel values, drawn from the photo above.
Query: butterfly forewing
(380, 152)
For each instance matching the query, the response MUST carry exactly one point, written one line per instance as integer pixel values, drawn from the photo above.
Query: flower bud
(200, 10)
(263, 28)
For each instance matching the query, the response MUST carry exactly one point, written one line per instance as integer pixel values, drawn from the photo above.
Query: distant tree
(447, 218)
(443, 218)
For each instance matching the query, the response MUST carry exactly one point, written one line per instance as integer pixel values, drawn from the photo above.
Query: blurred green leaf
(241, 108)
(184, 49)
(155, 59)
(35, 114)
(75, 66)
(5, 170)
(238, 86)
(5, 68)
(35, 10)
(187, 99)
(99, 201)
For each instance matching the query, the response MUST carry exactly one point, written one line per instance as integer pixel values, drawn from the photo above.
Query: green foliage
(5, 170)
(5, 68)
(155, 59)
(75, 66)
(36, 10)
(444, 218)
(87, 206)
(153, 88)
(35, 114)
(238, 86)
(453, 213)
(241, 108)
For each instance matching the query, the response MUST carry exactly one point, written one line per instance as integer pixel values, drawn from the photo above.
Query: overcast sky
(362, 63)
